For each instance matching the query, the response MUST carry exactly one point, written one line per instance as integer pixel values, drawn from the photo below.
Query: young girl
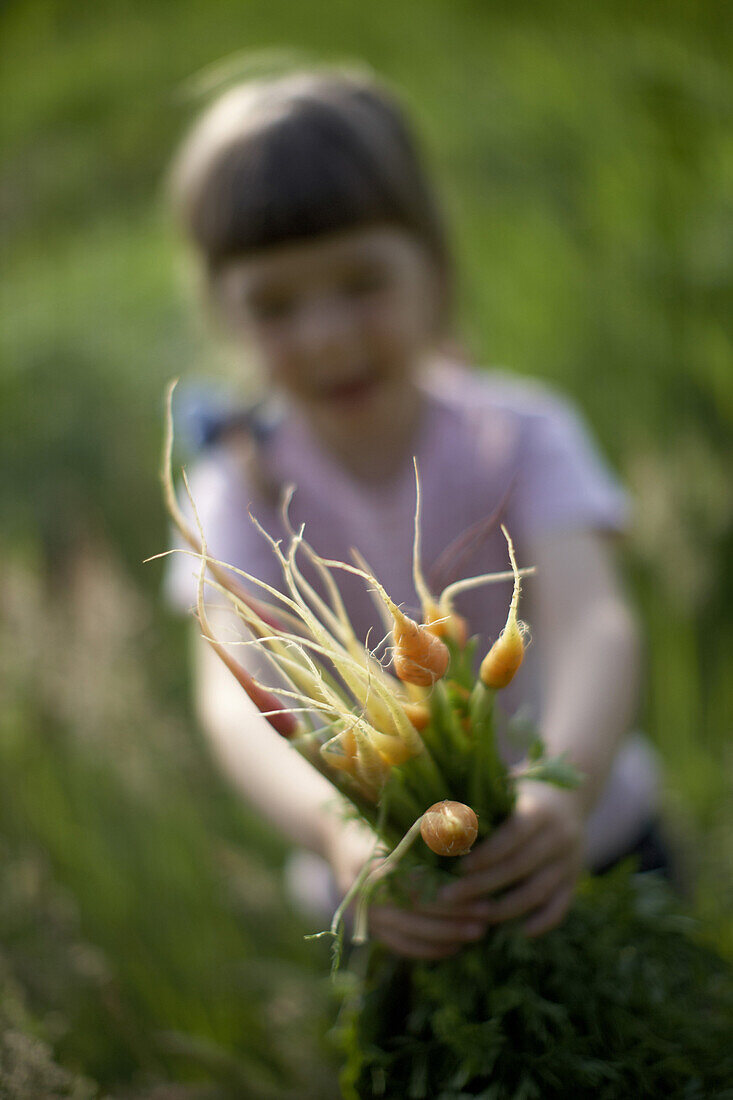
(324, 252)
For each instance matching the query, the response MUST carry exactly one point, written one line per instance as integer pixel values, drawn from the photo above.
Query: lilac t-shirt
(489, 445)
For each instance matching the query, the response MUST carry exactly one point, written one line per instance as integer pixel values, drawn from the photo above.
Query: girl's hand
(423, 931)
(428, 930)
(531, 862)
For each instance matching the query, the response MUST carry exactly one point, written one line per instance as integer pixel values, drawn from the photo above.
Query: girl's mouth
(350, 392)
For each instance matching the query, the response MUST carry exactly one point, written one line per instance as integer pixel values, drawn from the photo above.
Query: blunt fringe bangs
(300, 157)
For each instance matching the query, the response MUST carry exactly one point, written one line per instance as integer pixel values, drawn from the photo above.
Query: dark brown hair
(278, 160)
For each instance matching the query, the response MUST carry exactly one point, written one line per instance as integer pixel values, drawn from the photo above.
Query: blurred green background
(585, 154)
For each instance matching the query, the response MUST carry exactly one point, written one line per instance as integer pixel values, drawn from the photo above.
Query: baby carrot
(449, 828)
(418, 713)
(450, 625)
(507, 653)
(419, 656)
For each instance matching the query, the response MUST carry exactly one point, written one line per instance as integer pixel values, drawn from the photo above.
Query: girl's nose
(324, 324)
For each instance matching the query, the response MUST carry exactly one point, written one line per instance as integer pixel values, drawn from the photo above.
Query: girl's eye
(362, 283)
(271, 307)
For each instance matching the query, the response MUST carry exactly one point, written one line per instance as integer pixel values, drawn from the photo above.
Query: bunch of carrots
(411, 746)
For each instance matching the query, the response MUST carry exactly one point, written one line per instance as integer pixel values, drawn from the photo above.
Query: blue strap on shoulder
(205, 412)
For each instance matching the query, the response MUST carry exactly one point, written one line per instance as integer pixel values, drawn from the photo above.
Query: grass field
(585, 153)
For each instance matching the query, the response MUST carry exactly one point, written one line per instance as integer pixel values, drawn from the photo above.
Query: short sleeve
(562, 481)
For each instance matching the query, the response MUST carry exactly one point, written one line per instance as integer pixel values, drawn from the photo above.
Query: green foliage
(584, 152)
(620, 1001)
(552, 769)
(143, 929)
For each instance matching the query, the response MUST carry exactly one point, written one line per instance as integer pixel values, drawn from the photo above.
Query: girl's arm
(268, 771)
(590, 658)
(590, 653)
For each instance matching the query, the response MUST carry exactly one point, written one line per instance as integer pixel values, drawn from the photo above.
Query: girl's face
(339, 322)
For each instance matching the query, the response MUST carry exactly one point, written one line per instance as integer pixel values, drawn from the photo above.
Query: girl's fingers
(546, 896)
(514, 833)
(468, 911)
(551, 914)
(533, 893)
(475, 884)
(417, 949)
(435, 931)
(539, 808)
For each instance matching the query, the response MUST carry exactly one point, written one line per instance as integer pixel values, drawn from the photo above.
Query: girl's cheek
(402, 345)
(409, 323)
(283, 377)
(274, 355)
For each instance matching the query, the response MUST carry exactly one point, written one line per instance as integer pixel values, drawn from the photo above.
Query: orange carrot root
(451, 626)
(420, 657)
(418, 714)
(501, 663)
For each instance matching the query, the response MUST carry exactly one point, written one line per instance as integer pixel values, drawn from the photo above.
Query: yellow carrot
(500, 664)
(340, 751)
